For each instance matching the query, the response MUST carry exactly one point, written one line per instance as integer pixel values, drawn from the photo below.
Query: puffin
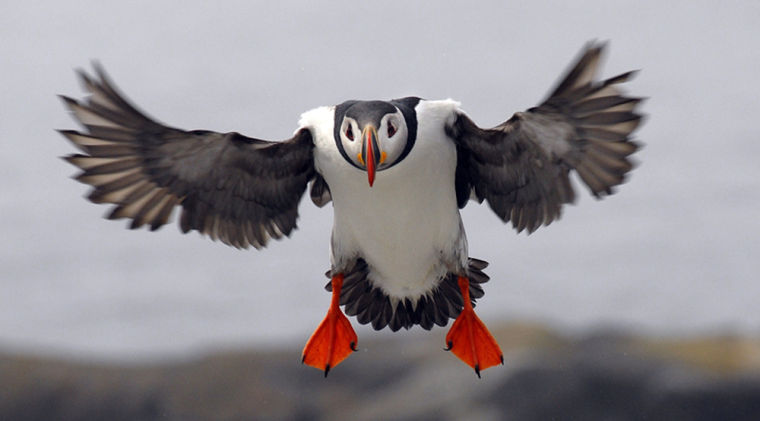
(397, 172)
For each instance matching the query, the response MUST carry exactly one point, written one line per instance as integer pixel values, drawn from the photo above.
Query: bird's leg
(469, 339)
(334, 338)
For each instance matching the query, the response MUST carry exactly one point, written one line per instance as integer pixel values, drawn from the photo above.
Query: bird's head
(372, 135)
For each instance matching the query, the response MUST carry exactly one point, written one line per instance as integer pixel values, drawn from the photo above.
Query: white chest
(407, 226)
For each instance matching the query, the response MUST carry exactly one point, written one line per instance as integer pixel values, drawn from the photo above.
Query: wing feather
(521, 167)
(240, 190)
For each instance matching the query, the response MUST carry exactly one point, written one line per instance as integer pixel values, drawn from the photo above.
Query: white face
(391, 139)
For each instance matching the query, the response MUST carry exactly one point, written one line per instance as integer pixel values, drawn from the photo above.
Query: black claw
(303, 358)
(353, 347)
(502, 359)
(477, 370)
(327, 370)
(449, 345)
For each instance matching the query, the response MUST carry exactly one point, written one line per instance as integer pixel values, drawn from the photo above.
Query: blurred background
(640, 305)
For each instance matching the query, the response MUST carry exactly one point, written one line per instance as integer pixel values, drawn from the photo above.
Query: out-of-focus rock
(546, 376)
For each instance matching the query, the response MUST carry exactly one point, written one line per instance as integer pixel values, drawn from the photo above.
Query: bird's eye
(349, 133)
(391, 129)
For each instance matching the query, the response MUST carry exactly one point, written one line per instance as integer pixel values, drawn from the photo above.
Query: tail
(371, 305)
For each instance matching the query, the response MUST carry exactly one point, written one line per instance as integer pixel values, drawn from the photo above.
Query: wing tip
(68, 101)
(593, 47)
(584, 67)
(104, 79)
(69, 135)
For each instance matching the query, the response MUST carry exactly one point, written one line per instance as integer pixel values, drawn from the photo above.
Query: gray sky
(674, 251)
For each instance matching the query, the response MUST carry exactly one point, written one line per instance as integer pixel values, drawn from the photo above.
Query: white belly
(408, 230)
(407, 226)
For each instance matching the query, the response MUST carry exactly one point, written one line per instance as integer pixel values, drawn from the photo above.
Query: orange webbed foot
(469, 339)
(334, 339)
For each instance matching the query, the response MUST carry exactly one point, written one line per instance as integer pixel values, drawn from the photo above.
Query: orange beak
(370, 155)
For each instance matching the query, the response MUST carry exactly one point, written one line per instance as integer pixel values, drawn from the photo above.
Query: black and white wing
(240, 190)
(521, 167)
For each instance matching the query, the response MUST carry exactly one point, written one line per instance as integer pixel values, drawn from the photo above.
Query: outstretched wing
(240, 190)
(521, 167)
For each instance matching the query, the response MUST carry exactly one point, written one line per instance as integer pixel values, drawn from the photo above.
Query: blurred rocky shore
(546, 376)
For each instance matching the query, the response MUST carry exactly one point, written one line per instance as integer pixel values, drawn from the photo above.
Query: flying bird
(397, 174)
